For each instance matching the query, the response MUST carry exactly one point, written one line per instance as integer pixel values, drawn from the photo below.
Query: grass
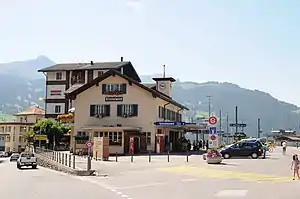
(6, 118)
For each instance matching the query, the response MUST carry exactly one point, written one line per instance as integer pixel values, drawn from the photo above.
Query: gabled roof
(33, 110)
(84, 66)
(113, 72)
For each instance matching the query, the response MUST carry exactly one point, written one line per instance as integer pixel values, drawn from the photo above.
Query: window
(127, 110)
(8, 139)
(20, 139)
(58, 76)
(57, 109)
(115, 138)
(2, 138)
(100, 73)
(148, 138)
(109, 88)
(167, 114)
(102, 110)
(22, 129)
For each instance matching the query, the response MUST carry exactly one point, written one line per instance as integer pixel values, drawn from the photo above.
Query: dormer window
(100, 73)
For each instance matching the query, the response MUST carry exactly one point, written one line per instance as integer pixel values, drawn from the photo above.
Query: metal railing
(63, 158)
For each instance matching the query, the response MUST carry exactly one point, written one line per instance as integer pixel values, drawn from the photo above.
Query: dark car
(244, 148)
(14, 157)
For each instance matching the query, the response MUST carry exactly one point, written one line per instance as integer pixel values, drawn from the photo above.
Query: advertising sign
(131, 145)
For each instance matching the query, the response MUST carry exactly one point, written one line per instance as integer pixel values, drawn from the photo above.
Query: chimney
(121, 59)
(92, 63)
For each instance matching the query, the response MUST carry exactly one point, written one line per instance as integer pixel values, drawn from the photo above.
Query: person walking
(283, 147)
(295, 166)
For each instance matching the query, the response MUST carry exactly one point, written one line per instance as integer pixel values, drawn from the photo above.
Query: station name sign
(114, 99)
(173, 123)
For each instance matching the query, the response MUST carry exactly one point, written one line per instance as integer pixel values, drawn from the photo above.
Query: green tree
(53, 129)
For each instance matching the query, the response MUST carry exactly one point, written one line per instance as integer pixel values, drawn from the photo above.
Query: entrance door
(136, 145)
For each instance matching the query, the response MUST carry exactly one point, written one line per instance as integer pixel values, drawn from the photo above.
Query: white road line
(189, 180)
(142, 185)
(231, 193)
(89, 180)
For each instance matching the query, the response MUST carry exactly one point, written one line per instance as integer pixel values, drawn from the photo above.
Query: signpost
(239, 125)
(212, 120)
(89, 144)
(213, 137)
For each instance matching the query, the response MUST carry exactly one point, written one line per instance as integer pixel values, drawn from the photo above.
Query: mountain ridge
(253, 104)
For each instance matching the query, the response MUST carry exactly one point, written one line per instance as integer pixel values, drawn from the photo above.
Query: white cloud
(135, 4)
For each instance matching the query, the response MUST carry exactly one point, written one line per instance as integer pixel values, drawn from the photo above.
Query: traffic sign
(213, 137)
(239, 125)
(213, 130)
(212, 120)
(89, 144)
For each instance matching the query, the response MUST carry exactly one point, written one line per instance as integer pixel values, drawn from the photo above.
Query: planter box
(215, 160)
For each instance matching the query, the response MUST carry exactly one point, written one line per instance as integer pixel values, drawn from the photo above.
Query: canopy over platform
(287, 138)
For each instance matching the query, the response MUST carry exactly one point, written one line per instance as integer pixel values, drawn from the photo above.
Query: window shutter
(135, 109)
(92, 110)
(124, 88)
(119, 110)
(107, 110)
(103, 88)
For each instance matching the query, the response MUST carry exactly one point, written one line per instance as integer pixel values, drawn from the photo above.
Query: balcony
(78, 77)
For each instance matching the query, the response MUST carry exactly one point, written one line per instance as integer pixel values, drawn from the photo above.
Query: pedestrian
(295, 166)
(283, 147)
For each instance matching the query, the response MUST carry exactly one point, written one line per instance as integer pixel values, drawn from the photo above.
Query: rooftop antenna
(164, 71)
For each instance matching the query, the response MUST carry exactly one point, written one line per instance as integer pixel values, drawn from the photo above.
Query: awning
(289, 138)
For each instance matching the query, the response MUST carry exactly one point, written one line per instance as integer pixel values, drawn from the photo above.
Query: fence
(63, 158)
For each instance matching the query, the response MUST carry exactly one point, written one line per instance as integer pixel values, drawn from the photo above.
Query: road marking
(89, 180)
(189, 180)
(232, 193)
(225, 174)
(141, 185)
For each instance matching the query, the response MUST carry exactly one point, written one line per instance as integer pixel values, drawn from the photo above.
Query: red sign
(89, 144)
(213, 137)
(212, 120)
(131, 145)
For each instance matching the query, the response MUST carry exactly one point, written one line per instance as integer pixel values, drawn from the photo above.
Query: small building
(119, 107)
(14, 130)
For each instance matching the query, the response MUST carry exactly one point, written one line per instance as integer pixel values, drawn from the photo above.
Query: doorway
(136, 145)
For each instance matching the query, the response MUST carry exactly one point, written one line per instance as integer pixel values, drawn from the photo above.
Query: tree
(53, 129)
(29, 134)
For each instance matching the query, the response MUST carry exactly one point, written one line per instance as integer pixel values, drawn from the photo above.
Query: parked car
(2, 154)
(14, 157)
(28, 160)
(243, 148)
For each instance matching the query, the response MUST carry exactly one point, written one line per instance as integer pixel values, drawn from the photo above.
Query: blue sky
(253, 43)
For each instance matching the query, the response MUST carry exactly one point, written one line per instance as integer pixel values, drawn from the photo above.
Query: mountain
(252, 104)
(26, 69)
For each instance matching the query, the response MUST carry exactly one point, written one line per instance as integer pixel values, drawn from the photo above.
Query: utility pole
(236, 119)
(220, 123)
(227, 127)
(209, 111)
(258, 128)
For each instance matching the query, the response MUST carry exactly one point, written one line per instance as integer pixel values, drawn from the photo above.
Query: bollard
(53, 155)
(59, 156)
(168, 156)
(131, 158)
(187, 156)
(73, 161)
(62, 159)
(149, 158)
(56, 156)
(96, 155)
(66, 159)
(116, 157)
(69, 160)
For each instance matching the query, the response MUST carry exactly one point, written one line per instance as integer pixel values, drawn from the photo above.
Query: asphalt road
(46, 184)
(236, 178)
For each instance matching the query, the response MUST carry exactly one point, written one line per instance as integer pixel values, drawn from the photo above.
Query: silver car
(14, 157)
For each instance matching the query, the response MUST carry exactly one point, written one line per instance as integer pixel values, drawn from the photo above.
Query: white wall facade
(50, 108)
(52, 88)
(51, 76)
